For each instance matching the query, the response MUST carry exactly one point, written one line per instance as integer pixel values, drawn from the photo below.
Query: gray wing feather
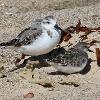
(27, 36)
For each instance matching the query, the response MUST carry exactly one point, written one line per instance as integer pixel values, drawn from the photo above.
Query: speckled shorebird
(40, 38)
(71, 61)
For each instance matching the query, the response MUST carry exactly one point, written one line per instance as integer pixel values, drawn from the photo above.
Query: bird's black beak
(57, 27)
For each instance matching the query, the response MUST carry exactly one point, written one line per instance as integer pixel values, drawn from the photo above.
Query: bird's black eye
(48, 22)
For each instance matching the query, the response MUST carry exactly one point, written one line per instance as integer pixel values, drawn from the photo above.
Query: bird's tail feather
(10, 43)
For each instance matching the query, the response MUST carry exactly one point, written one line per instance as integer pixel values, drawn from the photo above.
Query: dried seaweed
(70, 83)
(46, 85)
(93, 42)
(79, 28)
(98, 56)
(65, 36)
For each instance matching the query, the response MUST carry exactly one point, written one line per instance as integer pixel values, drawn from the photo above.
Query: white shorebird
(71, 61)
(42, 37)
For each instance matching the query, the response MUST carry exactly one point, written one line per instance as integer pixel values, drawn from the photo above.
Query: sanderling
(71, 61)
(42, 37)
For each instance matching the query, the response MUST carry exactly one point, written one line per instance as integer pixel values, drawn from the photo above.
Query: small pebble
(28, 95)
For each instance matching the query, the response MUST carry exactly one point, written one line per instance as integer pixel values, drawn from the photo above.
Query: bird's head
(83, 46)
(49, 22)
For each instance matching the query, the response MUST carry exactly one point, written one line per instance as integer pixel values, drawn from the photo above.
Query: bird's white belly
(70, 69)
(42, 45)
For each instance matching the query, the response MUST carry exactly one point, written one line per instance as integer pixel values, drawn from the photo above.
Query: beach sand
(16, 15)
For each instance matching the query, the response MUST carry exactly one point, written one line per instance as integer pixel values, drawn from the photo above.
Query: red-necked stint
(42, 37)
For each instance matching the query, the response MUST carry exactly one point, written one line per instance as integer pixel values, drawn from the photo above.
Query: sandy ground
(16, 15)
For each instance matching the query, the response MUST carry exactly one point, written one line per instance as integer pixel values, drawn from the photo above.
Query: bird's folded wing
(27, 36)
